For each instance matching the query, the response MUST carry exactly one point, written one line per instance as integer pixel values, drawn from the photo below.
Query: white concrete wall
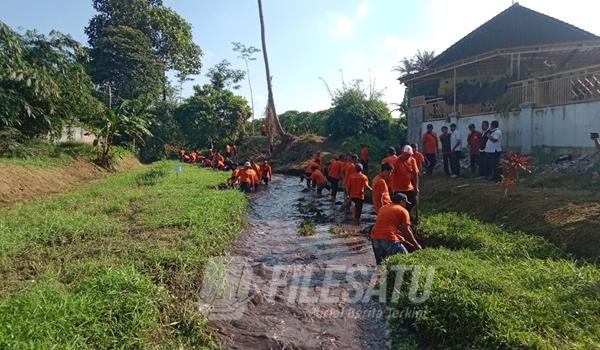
(76, 134)
(564, 127)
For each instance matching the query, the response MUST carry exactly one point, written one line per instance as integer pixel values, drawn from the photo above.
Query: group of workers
(250, 175)
(213, 159)
(394, 193)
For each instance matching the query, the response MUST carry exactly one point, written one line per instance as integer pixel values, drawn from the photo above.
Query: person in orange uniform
(390, 156)
(308, 172)
(248, 178)
(193, 156)
(227, 151)
(319, 181)
(405, 178)
(357, 183)
(335, 173)
(430, 148)
(181, 153)
(364, 157)
(318, 158)
(418, 156)
(349, 170)
(257, 171)
(263, 129)
(235, 177)
(381, 192)
(266, 172)
(392, 233)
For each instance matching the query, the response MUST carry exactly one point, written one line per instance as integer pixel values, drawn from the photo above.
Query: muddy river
(303, 291)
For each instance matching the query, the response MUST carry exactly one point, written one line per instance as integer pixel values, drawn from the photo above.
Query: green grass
(41, 153)
(117, 264)
(495, 289)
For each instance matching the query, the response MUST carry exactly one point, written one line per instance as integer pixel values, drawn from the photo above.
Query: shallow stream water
(299, 293)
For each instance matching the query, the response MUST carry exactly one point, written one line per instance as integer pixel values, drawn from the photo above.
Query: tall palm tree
(271, 113)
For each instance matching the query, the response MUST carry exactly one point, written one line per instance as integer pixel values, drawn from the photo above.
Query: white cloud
(343, 26)
(362, 9)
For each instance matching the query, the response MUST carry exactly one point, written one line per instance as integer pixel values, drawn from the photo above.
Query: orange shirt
(381, 194)
(420, 158)
(267, 170)
(318, 159)
(404, 171)
(335, 169)
(235, 173)
(356, 185)
(430, 143)
(349, 170)
(181, 152)
(248, 175)
(309, 167)
(389, 159)
(389, 220)
(318, 177)
(364, 153)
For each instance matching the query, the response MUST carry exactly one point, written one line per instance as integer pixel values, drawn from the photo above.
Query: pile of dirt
(568, 218)
(20, 182)
(290, 158)
(583, 164)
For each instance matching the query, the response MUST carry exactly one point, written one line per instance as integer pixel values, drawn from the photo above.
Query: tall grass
(495, 289)
(116, 264)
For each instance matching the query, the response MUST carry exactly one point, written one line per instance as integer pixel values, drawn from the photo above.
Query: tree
(271, 112)
(418, 63)
(357, 113)
(169, 35)
(304, 123)
(43, 82)
(212, 115)
(166, 134)
(221, 76)
(246, 53)
(130, 118)
(124, 59)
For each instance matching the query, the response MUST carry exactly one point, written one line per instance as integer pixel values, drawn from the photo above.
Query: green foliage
(40, 152)
(221, 76)
(418, 63)
(495, 289)
(355, 113)
(115, 265)
(43, 82)
(124, 59)
(169, 34)
(166, 135)
(150, 177)
(130, 118)
(212, 115)
(304, 123)
(307, 228)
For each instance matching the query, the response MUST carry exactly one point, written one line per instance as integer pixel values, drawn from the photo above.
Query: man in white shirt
(493, 150)
(456, 145)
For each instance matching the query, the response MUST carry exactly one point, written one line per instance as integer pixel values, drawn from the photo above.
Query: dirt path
(295, 300)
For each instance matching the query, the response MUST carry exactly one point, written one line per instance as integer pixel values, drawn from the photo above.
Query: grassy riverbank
(116, 264)
(494, 289)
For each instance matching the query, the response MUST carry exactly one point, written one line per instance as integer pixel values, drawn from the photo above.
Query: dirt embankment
(291, 158)
(21, 182)
(568, 218)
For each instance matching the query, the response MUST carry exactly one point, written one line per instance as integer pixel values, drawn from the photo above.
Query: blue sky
(309, 39)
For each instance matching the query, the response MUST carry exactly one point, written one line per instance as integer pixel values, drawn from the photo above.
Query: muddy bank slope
(24, 181)
(568, 218)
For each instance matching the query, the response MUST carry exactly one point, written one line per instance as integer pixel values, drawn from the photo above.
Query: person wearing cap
(248, 178)
(405, 178)
(390, 156)
(392, 233)
(357, 183)
(430, 148)
(380, 193)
